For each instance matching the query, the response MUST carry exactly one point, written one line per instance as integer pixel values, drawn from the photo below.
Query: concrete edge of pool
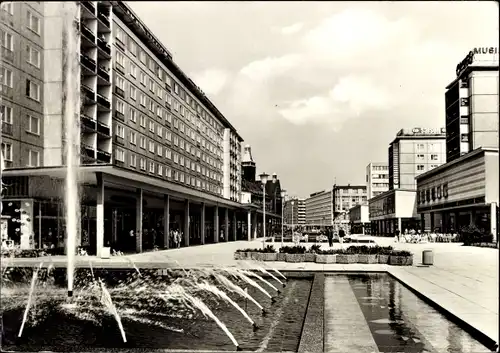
(312, 335)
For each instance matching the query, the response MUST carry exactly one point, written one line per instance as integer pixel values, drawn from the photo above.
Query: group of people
(331, 234)
(416, 237)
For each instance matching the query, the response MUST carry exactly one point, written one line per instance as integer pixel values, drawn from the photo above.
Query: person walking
(341, 236)
(329, 234)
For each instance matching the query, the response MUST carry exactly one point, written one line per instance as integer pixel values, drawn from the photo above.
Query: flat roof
(443, 167)
(469, 69)
(349, 186)
(130, 18)
(388, 192)
(418, 137)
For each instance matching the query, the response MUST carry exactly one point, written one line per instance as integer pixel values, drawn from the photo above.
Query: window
(151, 126)
(142, 141)
(33, 23)
(151, 167)
(120, 107)
(159, 130)
(168, 135)
(120, 155)
(8, 7)
(160, 169)
(121, 36)
(142, 99)
(434, 166)
(7, 151)
(158, 111)
(132, 47)
(168, 80)
(120, 82)
(464, 137)
(151, 106)
(133, 160)
(169, 99)
(142, 56)
(142, 121)
(420, 147)
(120, 60)
(133, 137)
(143, 164)
(176, 88)
(33, 158)
(434, 157)
(7, 41)
(420, 157)
(133, 70)
(176, 105)
(464, 119)
(176, 158)
(169, 118)
(159, 150)
(151, 147)
(32, 90)
(438, 192)
(120, 131)
(6, 77)
(133, 117)
(33, 125)
(33, 56)
(420, 167)
(152, 86)
(6, 114)
(142, 76)
(168, 153)
(133, 92)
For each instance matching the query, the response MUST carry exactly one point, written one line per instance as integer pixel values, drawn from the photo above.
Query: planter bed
(269, 256)
(400, 260)
(383, 259)
(326, 259)
(281, 257)
(295, 258)
(367, 259)
(310, 257)
(347, 258)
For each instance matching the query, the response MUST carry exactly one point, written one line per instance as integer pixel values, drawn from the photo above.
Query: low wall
(311, 339)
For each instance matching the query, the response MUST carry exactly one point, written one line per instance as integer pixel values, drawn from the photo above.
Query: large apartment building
(344, 198)
(413, 152)
(319, 209)
(295, 211)
(377, 179)
(472, 104)
(148, 135)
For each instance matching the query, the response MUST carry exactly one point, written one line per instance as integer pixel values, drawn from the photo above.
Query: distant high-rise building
(344, 198)
(377, 179)
(319, 208)
(413, 152)
(472, 104)
(295, 211)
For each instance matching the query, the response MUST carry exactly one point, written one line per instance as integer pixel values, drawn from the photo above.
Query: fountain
(72, 135)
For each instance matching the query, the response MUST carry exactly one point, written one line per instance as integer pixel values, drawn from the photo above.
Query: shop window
(433, 194)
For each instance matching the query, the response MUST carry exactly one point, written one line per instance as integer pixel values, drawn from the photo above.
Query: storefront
(460, 193)
(393, 210)
(360, 219)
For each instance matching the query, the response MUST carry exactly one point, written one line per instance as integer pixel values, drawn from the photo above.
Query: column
(186, 223)
(138, 220)
(254, 225)
(493, 221)
(235, 226)
(202, 224)
(249, 225)
(166, 221)
(226, 224)
(99, 215)
(400, 225)
(216, 224)
(473, 217)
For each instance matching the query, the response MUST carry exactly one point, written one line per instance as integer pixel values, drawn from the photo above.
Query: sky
(320, 89)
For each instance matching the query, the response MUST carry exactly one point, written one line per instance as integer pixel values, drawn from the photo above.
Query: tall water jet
(71, 67)
(108, 302)
(30, 297)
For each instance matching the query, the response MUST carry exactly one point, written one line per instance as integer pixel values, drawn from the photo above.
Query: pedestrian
(329, 234)
(341, 236)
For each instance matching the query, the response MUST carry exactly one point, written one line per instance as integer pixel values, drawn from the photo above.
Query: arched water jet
(253, 274)
(234, 287)
(263, 270)
(30, 297)
(239, 274)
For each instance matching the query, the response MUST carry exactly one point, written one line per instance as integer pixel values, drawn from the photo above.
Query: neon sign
(469, 59)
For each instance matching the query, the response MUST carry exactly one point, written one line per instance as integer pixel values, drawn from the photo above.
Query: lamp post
(283, 195)
(292, 203)
(263, 179)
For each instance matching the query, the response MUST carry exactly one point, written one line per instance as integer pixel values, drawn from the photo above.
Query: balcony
(103, 75)
(120, 92)
(87, 154)
(119, 116)
(103, 15)
(89, 6)
(104, 47)
(103, 156)
(87, 33)
(88, 63)
(103, 101)
(6, 128)
(88, 124)
(88, 94)
(103, 129)
(119, 140)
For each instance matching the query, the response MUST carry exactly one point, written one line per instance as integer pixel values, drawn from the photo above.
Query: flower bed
(353, 254)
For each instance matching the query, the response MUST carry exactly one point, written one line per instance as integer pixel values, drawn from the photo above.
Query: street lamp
(283, 195)
(263, 179)
(293, 203)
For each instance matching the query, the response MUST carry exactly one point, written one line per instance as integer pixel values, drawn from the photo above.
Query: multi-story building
(295, 211)
(413, 152)
(22, 77)
(344, 198)
(148, 136)
(472, 104)
(319, 209)
(377, 179)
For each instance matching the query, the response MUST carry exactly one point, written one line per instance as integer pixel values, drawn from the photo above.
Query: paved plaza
(463, 280)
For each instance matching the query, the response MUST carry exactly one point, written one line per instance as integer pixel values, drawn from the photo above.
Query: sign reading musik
(469, 59)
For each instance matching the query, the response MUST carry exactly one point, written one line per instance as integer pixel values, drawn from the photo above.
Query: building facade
(344, 198)
(472, 104)
(319, 209)
(155, 152)
(460, 193)
(359, 218)
(413, 152)
(377, 179)
(295, 211)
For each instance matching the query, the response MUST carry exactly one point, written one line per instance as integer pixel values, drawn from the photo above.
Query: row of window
(126, 42)
(32, 122)
(33, 156)
(421, 157)
(32, 21)
(380, 167)
(421, 167)
(32, 88)
(166, 171)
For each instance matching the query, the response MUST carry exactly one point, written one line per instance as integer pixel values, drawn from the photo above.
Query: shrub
(385, 250)
(401, 253)
(472, 234)
(247, 250)
(293, 250)
(326, 252)
(314, 249)
(269, 250)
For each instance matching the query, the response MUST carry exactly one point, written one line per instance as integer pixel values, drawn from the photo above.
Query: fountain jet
(30, 297)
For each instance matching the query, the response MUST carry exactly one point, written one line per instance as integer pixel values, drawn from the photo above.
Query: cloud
(261, 70)
(211, 81)
(348, 99)
(292, 29)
